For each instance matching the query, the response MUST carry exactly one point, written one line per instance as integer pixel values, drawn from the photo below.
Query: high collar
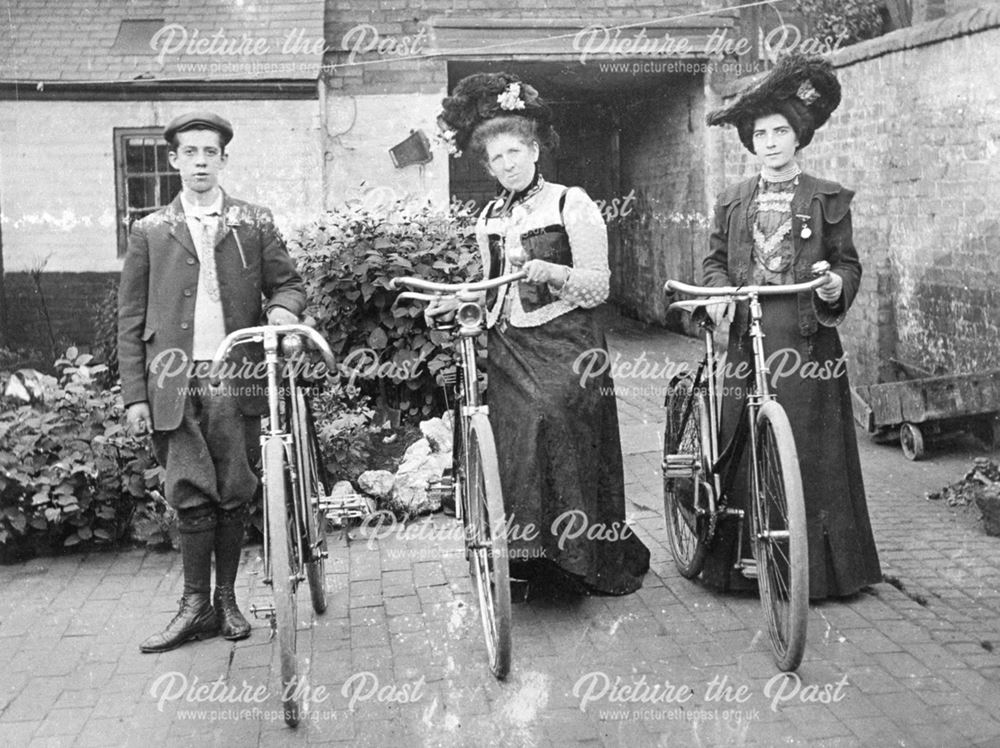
(191, 210)
(790, 171)
(509, 198)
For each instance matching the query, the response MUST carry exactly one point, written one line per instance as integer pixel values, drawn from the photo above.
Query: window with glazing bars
(144, 180)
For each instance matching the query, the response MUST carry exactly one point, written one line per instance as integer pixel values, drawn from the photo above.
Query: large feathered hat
(483, 96)
(804, 88)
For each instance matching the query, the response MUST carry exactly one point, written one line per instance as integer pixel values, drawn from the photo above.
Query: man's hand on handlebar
(138, 418)
(278, 315)
(440, 311)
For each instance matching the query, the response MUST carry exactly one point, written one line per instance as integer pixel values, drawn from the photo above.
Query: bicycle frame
(471, 322)
(476, 478)
(723, 463)
(270, 336)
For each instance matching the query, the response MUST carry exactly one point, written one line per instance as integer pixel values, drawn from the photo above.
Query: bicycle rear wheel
(779, 537)
(684, 470)
(312, 491)
(486, 539)
(284, 573)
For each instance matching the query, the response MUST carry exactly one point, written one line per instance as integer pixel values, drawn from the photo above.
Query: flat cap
(203, 119)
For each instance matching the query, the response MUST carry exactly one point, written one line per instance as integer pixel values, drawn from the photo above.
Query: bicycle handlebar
(260, 333)
(740, 292)
(426, 285)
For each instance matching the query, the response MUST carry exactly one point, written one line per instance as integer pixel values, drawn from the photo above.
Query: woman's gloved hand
(830, 291)
(540, 271)
(717, 312)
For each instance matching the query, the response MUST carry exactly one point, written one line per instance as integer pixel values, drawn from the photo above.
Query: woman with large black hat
(556, 430)
(770, 229)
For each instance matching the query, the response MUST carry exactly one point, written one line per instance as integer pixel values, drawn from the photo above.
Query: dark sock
(228, 539)
(197, 528)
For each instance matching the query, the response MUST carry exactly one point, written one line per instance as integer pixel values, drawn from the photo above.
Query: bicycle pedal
(262, 611)
(679, 466)
(749, 568)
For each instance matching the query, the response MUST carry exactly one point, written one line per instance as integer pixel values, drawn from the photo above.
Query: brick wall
(57, 190)
(918, 136)
(386, 76)
(663, 161)
(70, 300)
(57, 186)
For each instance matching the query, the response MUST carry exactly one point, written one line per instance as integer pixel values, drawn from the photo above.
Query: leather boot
(228, 546)
(232, 624)
(195, 619)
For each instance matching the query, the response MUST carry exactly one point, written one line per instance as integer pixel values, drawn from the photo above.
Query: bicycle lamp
(469, 314)
(291, 345)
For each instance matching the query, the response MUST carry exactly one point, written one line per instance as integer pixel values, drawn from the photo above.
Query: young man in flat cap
(196, 270)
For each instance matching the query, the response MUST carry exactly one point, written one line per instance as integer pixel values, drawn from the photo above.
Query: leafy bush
(346, 427)
(106, 333)
(853, 20)
(69, 472)
(347, 260)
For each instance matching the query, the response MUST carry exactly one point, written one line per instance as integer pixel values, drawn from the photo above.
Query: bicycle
(475, 468)
(700, 475)
(296, 500)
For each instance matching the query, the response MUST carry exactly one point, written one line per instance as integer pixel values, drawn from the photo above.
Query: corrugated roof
(75, 40)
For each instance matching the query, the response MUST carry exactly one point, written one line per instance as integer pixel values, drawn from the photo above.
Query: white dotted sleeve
(589, 279)
(483, 240)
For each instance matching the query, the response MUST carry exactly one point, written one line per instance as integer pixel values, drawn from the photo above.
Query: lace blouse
(770, 217)
(588, 283)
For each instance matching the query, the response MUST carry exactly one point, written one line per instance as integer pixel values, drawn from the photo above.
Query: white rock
(341, 489)
(377, 483)
(438, 433)
(409, 494)
(419, 449)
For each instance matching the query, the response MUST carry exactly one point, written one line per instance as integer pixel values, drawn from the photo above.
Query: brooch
(806, 231)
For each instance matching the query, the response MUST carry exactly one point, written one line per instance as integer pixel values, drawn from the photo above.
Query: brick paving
(400, 653)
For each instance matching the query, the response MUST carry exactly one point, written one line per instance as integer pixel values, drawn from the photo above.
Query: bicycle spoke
(688, 528)
(780, 538)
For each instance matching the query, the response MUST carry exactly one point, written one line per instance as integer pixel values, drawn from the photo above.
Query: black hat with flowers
(484, 96)
(803, 88)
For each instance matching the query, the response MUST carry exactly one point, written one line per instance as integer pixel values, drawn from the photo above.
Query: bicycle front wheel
(779, 537)
(487, 542)
(284, 574)
(312, 491)
(684, 470)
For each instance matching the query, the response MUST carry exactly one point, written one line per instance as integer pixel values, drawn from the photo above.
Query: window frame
(123, 211)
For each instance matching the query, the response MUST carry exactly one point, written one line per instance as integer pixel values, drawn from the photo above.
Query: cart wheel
(912, 441)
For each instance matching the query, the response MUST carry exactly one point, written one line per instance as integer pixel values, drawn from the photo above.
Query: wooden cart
(920, 408)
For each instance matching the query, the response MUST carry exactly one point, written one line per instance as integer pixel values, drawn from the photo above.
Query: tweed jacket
(156, 300)
(824, 207)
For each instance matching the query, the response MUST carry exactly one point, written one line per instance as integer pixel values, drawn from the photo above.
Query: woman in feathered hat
(770, 229)
(556, 426)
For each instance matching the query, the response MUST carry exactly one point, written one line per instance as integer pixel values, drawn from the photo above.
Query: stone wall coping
(720, 17)
(965, 23)
(968, 22)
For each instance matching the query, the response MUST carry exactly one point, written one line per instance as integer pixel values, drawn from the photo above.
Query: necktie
(205, 243)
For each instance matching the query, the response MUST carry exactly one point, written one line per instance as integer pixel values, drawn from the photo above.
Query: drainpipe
(3, 288)
(323, 139)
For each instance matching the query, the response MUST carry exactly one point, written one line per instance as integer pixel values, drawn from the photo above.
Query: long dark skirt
(842, 555)
(560, 454)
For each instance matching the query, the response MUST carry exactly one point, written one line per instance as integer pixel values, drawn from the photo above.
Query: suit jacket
(156, 297)
(822, 205)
